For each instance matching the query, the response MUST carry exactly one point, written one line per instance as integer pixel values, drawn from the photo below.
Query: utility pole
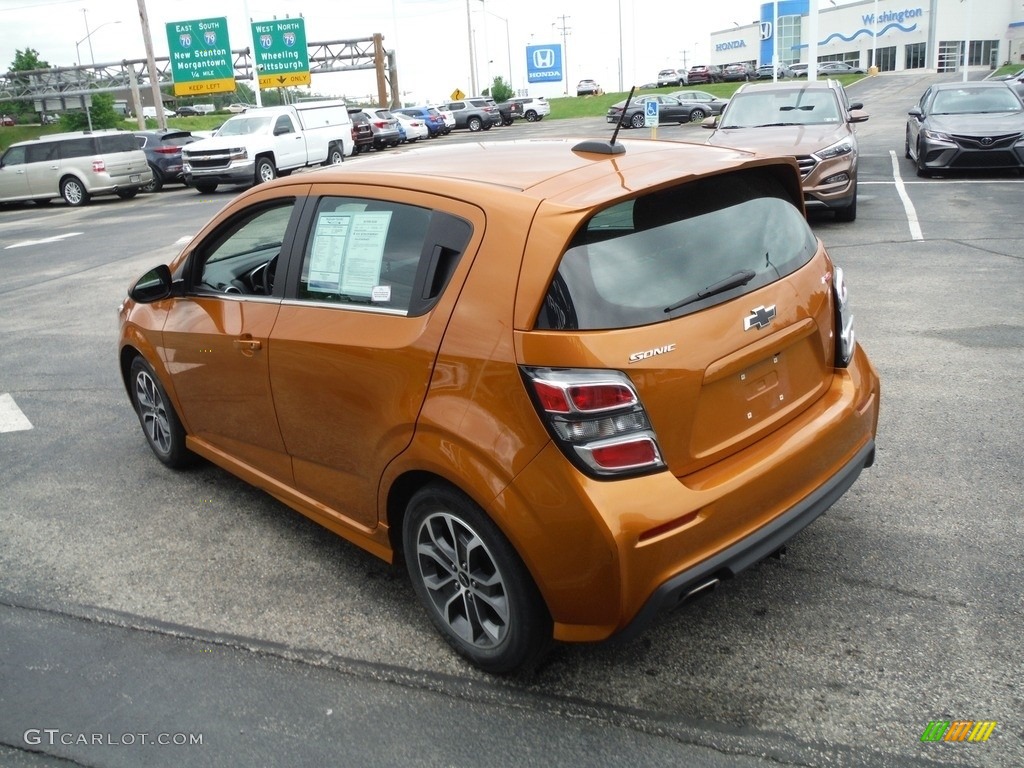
(684, 52)
(154, 78)
(565, 29)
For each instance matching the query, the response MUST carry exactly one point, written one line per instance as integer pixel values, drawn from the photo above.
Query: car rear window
(122, 142)
(632, 262)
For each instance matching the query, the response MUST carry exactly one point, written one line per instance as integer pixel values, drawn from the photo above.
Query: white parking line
(908, 206)
(43, 241)
(11, 417)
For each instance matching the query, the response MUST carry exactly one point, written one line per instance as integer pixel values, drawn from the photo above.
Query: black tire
(906, 146)
(157, 183)
(532, 116)
(205, 187)
(849, 213)
(487, 126)
(73, 191)
(127, 194)
(474, 587)
(265, 170)
(474, 124)
(697, 115)
(637, 120)
(160, 423)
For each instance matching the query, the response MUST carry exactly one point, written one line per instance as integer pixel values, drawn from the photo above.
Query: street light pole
(89, 38)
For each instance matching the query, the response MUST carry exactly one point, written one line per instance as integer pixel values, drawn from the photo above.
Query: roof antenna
(607, 147)
(625, 109)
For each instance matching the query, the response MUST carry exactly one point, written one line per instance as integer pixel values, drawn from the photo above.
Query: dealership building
(892, 35)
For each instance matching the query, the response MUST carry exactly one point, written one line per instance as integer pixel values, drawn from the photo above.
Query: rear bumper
(755, 547)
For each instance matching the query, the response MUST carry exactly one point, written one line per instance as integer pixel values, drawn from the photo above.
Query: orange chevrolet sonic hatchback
(569, 384)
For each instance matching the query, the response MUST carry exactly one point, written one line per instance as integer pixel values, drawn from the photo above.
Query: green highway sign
(280, 53)
(200, 56)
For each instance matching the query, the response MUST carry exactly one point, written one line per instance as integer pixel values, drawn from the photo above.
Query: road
(135, 599)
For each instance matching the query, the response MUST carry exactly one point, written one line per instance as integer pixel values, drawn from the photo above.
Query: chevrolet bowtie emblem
(761, 317)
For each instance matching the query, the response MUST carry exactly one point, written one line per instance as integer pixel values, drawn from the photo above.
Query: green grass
(1008, 69)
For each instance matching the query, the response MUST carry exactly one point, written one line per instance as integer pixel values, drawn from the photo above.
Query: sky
(431, 38)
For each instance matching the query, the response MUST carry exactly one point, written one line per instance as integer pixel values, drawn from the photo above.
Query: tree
(500, 90)
(102, 114)
(25, 61)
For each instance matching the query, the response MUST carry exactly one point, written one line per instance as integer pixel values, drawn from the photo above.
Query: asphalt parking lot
(136, 599)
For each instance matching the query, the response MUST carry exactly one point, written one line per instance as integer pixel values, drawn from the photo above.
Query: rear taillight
(98, 166)
(845, 336)
(597, 419)
(167, 150)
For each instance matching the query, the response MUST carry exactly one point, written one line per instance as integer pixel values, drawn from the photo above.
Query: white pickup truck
(260, 144)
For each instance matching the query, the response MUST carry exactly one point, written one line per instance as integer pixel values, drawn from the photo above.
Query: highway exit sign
(280, 53)
(200, 57)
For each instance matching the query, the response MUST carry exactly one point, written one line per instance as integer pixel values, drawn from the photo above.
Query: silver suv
(75, 166)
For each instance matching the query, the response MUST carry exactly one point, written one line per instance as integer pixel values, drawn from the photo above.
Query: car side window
(241, 258)
(14, 156)
(43, 153)
(380, 255)
(283, 125)
(85, 147)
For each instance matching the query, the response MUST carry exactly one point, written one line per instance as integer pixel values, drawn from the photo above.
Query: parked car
(704, 73)
(257, 145)
(385, 127)
(701, 103)
(475, 114)
(509, 110)
(163, 153)
(185, 110)
(534, 108)
(806, 120)
(587, 88)
(75, 166)
(414, 128)
(433, 119)
(739, 72)
(447, 115)
(7, 120)
(672, 77)
(238, 107)
(799, 70)
(564, 403)
(362, 131)
(976, 125)
(670, 110)
(49, 119)
(833, 68)
(764, 72)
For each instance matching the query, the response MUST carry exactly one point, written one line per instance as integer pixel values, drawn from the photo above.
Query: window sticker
(381, 293)
(347, 253)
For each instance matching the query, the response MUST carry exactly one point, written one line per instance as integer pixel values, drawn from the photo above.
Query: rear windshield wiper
(734, 280)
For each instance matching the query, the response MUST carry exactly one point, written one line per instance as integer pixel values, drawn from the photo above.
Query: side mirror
(710, 122)
(916, 112)
(152, 286)
(856, 105)
(857, 116)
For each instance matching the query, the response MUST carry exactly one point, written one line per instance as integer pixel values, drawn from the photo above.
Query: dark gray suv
(477, 113)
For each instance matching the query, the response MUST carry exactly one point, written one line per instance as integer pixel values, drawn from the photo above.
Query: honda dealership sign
(544, 63)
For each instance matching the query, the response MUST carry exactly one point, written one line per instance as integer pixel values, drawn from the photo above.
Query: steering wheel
(268, 276)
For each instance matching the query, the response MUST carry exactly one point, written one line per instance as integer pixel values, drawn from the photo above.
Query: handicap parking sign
(651, 113)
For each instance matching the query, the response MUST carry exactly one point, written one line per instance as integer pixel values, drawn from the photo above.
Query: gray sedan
(966, 126)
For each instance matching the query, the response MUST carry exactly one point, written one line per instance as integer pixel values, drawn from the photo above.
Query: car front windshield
(789, 107)
(244, 126)
(962, 101)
